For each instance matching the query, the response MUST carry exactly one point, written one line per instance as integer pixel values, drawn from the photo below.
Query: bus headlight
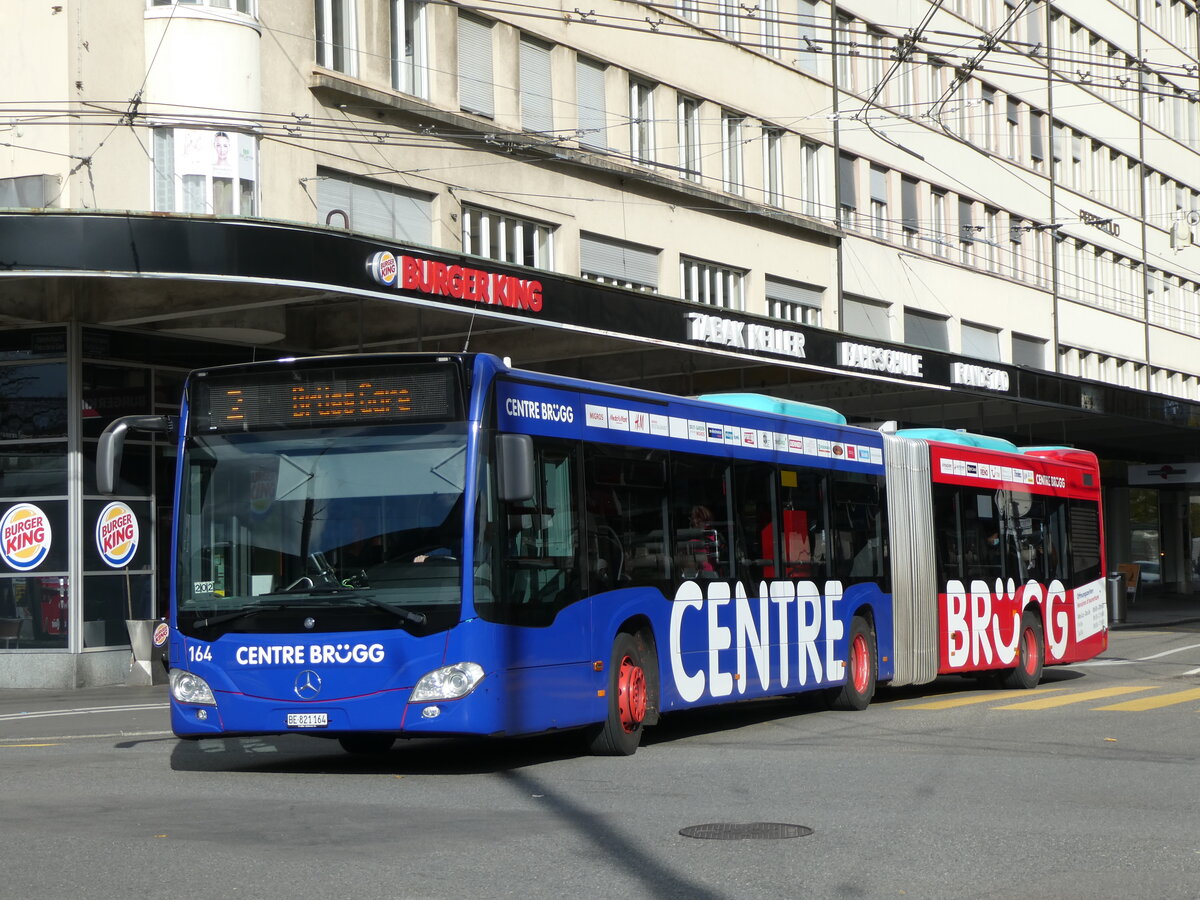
(189, 688)
(448, 683)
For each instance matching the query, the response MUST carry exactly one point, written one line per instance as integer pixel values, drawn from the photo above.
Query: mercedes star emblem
(308, 684)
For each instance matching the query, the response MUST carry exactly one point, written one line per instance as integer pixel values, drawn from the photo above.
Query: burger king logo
(117, 534)
(383, 268)
(25, 533)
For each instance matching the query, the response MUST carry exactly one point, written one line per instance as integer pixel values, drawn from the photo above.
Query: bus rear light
(189, 688)
(447, 683)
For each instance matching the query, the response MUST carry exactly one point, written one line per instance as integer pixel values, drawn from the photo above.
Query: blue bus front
(319, 551)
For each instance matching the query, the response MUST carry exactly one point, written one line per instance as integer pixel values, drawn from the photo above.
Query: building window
(610, 261)
(1013, 130)
(710, 284)
(847, 195)
(248, 7)
(689, 137)
(791, 301)
(732, 168)
(537, 113)
(922, 329)
(808, 32)
(966, 231)
(866, 318)
(879, 203)
(1028, 351)
(909, 222)
(335, 35)
(690, 10)
(475, 91)
(589, 97)
(373, 207)
(773, 166)
(496, 235)
(769, 12)
(981, 342)
(409, 48)
(810, 171)
(206, 172)
(937, 223)
(641, 121)
(1037, 140)
(729, 19)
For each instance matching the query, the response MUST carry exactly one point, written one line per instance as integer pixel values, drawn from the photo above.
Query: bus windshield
(364, 524)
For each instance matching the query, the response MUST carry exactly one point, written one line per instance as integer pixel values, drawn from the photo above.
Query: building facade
(978, 214)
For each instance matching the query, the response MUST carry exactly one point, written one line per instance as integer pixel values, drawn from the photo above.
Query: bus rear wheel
(621, 731)
(1028, 671)
(861, 668)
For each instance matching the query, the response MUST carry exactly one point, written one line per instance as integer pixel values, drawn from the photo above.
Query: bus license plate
(307, 720)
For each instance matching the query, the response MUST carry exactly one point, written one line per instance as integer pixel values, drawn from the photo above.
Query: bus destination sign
(323, 397)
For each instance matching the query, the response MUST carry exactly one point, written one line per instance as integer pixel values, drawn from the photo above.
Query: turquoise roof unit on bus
(777, 407)
(962, 438)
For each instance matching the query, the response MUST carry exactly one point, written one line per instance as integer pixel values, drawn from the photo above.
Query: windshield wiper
(398, 611)
(239, 613)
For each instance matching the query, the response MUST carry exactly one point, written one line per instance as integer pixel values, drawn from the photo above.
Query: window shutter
(618, 260)
(593, 118)
(536, 111)
(793, 292)
(475, 66)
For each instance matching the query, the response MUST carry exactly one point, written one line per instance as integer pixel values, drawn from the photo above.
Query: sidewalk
(1159, 609)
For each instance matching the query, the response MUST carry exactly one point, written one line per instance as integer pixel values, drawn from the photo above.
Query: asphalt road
(1084, 787)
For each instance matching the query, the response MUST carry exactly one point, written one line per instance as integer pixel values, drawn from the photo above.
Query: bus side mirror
(112, 445)
(514, 457)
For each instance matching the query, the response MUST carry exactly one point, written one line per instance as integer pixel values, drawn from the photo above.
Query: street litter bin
(1116, 597)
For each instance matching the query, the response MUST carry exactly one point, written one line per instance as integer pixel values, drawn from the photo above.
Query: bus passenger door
(540, 590)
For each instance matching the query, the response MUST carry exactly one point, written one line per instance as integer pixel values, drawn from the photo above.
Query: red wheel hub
(860, 662)
(631, 694)
(1029, 651)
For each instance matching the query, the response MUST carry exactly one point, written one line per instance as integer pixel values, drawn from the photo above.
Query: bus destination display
(324, 397)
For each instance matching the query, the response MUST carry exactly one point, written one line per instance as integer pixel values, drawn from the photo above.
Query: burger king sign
(117, 534)
(24, 537)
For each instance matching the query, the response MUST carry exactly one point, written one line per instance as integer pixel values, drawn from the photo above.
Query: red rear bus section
(1019, 557)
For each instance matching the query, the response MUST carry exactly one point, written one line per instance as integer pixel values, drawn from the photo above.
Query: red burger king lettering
(427, 276)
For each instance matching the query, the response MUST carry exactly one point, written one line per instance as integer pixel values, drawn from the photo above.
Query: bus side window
(801, 525)
(1085, 542)
(626, 517)
(860, 529)
(947, 528)
(754, 528)
(700, 518)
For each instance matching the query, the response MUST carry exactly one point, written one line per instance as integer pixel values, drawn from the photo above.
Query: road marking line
(26, 746)
(1130, 662)
(82, 711)
(968, 698)
(1081, 697)
(1157, 702)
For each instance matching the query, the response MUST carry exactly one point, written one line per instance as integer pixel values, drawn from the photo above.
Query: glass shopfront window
(33, 401)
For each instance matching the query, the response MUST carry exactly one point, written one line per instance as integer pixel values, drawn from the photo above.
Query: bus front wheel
(621, 731)
(1028, 671)
(861, 668)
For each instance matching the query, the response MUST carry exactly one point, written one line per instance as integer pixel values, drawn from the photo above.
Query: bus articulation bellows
(374, 547)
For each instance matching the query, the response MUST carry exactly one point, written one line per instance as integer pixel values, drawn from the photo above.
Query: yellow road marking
(968, 698)
(1082, 696)
(27, 746)
(1156, 702)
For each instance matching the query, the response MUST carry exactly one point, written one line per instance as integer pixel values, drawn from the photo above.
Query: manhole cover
(749, 831)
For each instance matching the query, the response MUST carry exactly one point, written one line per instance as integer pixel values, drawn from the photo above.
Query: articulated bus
(375, 547)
